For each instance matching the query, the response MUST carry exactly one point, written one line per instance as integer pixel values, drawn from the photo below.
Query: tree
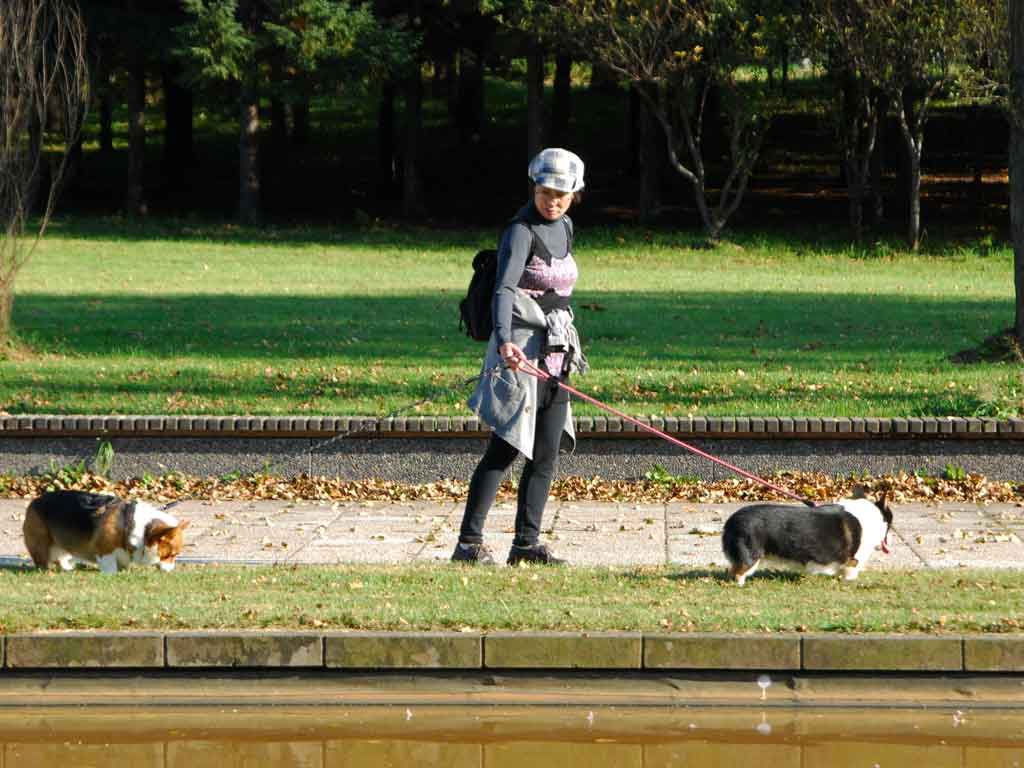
(909, 50)
(679, 51)
(536, 25)
(235, 41)
(43, 90)
(1016, 91)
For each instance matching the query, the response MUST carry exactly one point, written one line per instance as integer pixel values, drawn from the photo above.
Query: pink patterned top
(559, 276)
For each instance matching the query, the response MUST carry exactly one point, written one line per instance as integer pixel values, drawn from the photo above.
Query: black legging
(534, 483)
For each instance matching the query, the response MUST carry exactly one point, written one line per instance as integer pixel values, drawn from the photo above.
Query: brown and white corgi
(67, 526)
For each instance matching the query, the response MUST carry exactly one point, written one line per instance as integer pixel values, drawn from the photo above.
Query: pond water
(509, 737)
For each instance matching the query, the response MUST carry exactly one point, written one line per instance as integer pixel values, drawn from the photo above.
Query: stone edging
(956, 427)
(553, 651)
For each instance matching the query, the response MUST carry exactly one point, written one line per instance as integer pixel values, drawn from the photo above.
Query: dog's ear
(157, 530)
(859, 492)
(184, 524)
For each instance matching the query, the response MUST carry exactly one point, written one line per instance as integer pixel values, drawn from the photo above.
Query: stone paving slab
(586, 533)
(388, 650)
(643, 546)
(244, 649)
(46, 650)
(898, 653)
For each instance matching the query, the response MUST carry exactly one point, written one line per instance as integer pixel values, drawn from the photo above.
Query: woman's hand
(511, 355)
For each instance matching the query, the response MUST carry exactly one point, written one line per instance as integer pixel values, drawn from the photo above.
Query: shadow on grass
(16, 564)
(721, 576)
(697, 327)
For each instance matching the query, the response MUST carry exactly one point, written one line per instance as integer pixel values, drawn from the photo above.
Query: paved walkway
(586, 533)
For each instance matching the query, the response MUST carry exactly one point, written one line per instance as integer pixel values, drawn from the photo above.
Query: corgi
(65, 527)
(823, 540)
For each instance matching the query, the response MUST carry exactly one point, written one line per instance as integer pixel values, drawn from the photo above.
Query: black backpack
(475, 310)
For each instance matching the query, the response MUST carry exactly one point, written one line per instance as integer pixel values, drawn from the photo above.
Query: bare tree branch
(43, 90)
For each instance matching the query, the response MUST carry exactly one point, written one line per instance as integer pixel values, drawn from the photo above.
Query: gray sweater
(513, 253)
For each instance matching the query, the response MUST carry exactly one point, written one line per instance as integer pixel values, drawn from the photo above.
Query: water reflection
(509, 737)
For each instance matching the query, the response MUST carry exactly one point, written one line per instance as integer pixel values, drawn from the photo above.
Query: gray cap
(557, 169)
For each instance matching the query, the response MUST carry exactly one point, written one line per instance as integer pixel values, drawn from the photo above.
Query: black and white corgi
(67, 526)
(823, 540)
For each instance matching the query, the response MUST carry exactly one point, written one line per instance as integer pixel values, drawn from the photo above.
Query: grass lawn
(451, 597)
(182, 318)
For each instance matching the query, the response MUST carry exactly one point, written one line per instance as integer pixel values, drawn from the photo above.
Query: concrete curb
(551, 651)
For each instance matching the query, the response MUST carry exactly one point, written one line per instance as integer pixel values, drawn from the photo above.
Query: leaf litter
(899, 488)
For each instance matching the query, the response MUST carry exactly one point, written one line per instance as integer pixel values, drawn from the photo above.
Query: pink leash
(533, 370)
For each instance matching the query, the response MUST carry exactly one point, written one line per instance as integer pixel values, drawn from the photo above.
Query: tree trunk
(856, 194)
(603, 78)
(34, 190)
(878, 163)
(471, 96)
(1016, 15)
(785, 69)
(106, 118)
(976, 128)
(859, 130)
(105, 100)
(248, 152)
(911, 120)
(648, 140)
(387, 160)
(178, 144)
(6, 307)
(451, 89)
(278, 130)
(135, 201)
(534, 100)
(875, 185)
(75, 154)
(914, 217)
(561, 105)
(278, 127)
(300, 122)
(712, 137)
(412, 198)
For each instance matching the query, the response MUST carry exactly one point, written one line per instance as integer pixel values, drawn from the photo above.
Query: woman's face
(551, 203)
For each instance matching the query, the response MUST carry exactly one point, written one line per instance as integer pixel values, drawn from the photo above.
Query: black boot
(537, 553)
(474, 554)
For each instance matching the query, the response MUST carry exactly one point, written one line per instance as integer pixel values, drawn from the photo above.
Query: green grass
(189, 317)
(460, 598)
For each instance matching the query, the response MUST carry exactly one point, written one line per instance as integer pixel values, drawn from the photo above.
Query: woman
(533, 322)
